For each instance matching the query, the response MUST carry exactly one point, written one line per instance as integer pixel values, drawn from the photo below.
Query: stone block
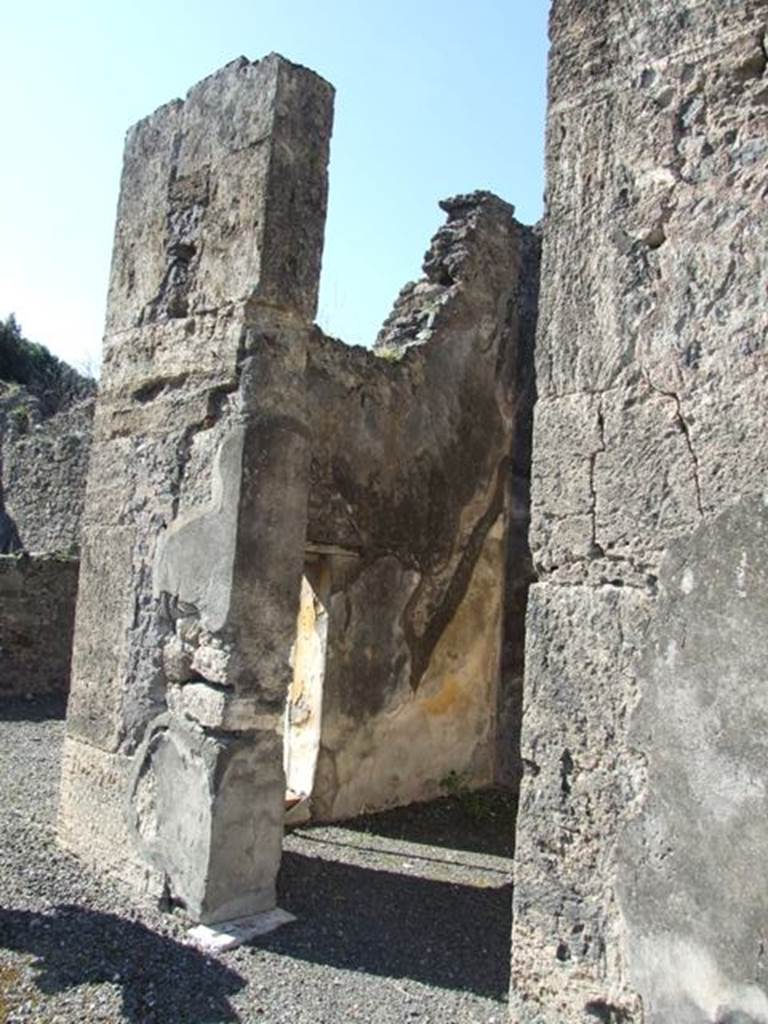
(690, 891)
(206, 810)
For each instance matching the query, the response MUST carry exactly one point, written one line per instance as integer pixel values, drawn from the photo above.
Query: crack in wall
(685, 431)
(595, 550)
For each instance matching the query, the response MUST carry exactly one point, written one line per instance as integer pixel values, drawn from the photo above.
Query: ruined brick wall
(642, 822)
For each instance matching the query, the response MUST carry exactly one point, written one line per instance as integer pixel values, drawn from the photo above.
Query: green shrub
(24, 362)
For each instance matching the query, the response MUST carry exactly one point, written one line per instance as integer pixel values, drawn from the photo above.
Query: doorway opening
(304, 707)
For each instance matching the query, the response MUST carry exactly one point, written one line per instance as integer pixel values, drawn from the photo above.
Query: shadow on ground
(441, 933)
(478, 821)
(398, 926)
(160, 979)
(32, 709)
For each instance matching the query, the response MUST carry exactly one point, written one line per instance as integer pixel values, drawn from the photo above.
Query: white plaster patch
(718, 782)
(226, 935)
(726, 786)
(741, 575)
(672, 971)
(670, 655)
(688, 581)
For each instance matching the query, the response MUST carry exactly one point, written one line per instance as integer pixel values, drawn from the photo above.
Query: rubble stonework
(235, 445)
(642, 819)
(44, 466)
(37, 618)
(44, 449)
(195, 516)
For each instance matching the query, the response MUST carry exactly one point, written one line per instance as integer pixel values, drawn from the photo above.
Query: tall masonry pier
(197, 493)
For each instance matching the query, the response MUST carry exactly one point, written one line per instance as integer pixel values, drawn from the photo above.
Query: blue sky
(433, 98)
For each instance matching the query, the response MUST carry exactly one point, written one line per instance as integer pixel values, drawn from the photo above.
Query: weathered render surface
(643, 826)
(414, 449)
(196, 503)
(691, 879)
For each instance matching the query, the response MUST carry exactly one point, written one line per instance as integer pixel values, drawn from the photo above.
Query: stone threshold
(218, 938)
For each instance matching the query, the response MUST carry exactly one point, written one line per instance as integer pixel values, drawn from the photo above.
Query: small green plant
(51, 381)
(389, 353)
(19, 418)
(9, 979)
(455, 783)
(479, 804)
(71, 553)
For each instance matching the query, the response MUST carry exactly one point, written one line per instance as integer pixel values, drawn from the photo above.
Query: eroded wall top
(203, 219)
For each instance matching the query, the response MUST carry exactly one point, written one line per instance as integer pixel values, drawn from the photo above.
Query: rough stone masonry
(236, 448)
(640, 890)
(43, 462)
(196, 505)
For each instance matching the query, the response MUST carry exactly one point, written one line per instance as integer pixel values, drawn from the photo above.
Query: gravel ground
(403, 916)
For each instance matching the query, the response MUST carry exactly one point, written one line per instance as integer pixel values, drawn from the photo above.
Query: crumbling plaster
(232, 441)
(412, 468)
(209, 313)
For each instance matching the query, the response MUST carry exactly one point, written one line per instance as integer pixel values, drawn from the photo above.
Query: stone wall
(44, 465)
(232, 441)
(415, 449)
(642, 821)
(37, 617)
(44, 449)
